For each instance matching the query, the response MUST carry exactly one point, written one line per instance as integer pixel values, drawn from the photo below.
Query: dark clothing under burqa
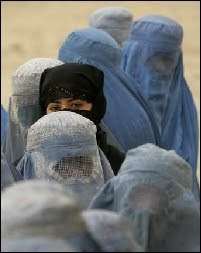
(84, 82)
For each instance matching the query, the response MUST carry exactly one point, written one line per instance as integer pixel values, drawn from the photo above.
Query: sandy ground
(37, 29)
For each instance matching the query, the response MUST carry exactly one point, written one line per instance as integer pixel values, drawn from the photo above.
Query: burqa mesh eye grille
(148, 197)
(162, 64)
(74, 167)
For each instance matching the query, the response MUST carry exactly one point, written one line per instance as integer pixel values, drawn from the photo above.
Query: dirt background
(32, 29)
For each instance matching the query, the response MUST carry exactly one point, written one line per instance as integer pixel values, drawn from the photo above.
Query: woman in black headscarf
(79, 88)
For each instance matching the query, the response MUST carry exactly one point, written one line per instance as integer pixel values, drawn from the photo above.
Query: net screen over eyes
(162, 64)
(75, 167)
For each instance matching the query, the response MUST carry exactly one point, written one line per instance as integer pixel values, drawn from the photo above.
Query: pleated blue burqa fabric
(111, 230)
(24, 107)
(127, 115)
(153, 189)
(153, 57)
(9, 174)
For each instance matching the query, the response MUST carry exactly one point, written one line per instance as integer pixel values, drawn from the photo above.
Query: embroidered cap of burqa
(153, 189)
(111, 230)
(4, 120)
(153, 57)
(62, 146)
(24, 107)
(116, 21)
(34, 209)
(9, 174)
(127, 117)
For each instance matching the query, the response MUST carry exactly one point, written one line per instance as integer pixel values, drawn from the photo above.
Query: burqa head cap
(116, 21)
(157, 28)
(26, 78)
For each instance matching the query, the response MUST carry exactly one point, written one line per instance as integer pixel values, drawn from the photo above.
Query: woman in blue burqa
(62, 146)
(116, 21)
(153, 57)
(153, 190)
(24, 108)
(127, 116)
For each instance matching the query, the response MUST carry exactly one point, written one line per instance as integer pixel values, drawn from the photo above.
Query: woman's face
(68, 103)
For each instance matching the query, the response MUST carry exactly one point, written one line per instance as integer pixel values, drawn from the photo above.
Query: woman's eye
(76, 105)
(55, 108)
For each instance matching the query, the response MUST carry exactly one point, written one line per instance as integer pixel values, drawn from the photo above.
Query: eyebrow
(56, 102)
(70, 99)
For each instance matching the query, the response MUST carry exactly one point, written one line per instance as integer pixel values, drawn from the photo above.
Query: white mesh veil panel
(66, 167)
(74, 167)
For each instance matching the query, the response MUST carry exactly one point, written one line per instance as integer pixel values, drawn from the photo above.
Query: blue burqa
(127, 115)
(9, 174)
(111, 230)
(24, 107)
(153, 189)
(153, 57)
(62, 146)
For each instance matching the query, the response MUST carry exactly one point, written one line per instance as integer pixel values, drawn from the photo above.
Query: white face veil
(62, 146)
(24, 107)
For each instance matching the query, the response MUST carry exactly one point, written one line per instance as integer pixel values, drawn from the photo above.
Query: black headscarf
(74, 80)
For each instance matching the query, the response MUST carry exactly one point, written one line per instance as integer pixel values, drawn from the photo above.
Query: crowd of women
(99, 147)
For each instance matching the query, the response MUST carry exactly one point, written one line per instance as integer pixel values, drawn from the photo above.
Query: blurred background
(33, 29)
